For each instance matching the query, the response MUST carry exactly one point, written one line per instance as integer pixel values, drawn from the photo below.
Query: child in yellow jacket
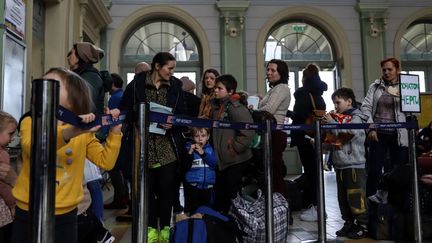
(73, 146)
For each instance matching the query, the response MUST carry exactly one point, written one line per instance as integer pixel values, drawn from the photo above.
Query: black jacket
(303, 105)
(134, 94)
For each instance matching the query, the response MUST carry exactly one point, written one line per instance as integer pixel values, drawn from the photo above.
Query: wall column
(373, 21)
(233, 50)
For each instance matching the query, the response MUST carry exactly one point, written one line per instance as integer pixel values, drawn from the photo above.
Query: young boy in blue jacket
(349, 162)
(201, 177)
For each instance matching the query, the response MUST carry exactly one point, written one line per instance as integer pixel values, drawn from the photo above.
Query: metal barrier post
(416, 204)
(44, 106)
(140, 187)
(268, 183)
(322, 234)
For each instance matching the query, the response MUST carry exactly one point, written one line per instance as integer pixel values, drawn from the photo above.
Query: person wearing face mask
(382, 105)
(276, 102)
(158, 85)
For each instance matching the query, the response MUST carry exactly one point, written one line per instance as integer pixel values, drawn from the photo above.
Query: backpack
(212, 227)
(106, 80)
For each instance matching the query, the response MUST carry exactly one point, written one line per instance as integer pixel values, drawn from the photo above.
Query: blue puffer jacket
(202, 172)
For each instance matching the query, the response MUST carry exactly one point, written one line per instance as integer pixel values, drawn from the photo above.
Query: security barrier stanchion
(322, 235)
(45, 95)
(268, 182)
(140, 187)
(416, 203)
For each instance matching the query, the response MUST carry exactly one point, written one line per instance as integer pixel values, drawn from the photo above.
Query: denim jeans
(97, 198)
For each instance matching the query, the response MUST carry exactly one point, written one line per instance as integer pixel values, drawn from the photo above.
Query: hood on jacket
(315, 85)
(357, 112)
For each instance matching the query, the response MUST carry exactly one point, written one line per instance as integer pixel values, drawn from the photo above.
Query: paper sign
(155, 127)
(253, 102)
(409, 87)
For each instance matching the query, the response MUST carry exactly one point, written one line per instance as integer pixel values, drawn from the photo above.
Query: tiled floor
(298, 232)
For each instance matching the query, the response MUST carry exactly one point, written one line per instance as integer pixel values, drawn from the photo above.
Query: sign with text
(409, 87)
(15, 17)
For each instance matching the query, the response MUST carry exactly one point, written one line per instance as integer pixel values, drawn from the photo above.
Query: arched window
(416, 52)
(162, 35)
(300, 43)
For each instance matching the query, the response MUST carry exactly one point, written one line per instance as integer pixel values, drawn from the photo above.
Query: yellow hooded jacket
(70, 165)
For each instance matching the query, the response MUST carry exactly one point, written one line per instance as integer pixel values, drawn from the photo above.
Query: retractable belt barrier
(68, 116)
(107, 120)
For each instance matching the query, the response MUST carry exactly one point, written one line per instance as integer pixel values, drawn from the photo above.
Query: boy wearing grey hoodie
(349, 162)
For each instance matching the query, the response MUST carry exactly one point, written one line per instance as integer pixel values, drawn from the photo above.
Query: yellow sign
(426, 110)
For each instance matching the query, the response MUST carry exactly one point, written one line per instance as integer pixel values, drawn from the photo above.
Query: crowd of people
(210, 163)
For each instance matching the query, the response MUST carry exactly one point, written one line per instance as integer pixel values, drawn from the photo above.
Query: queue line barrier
(140, 185)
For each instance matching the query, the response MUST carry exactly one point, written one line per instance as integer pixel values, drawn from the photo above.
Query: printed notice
(253, 102)
(409, 93)
(155, 127)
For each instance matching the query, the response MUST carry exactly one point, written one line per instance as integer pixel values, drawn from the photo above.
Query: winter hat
(88, 52)
(188, 85)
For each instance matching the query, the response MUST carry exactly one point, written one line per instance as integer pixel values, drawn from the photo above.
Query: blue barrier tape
(106, 120)
(197, 122)
(68, 116)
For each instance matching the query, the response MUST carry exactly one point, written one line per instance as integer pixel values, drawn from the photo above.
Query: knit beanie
(188, 85)
(88, 52)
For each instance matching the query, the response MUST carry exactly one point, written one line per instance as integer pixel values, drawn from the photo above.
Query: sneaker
(107, 238)
(325, 166)
(152, 235)
(348, 227)
(358, 232)
(309, 214)
(164, 235)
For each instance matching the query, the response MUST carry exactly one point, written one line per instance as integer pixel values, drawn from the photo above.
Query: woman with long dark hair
(276, 102)
(158, 86)
(207, 94)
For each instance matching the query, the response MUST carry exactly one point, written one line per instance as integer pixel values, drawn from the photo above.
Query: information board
(409, 91)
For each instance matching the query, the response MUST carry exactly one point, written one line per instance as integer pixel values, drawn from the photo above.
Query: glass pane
(298, 42)
(421, 75)
(190, 75)
(130, 77)
(415, 43)
(160, 36)
(13, 77)
(328, 78)
(292, 86)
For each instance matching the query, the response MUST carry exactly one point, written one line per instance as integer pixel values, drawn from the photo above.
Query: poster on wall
(15, 17)
(409, 87)
(14, 73)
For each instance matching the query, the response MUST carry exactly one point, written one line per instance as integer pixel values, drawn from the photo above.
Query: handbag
(314, 116)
